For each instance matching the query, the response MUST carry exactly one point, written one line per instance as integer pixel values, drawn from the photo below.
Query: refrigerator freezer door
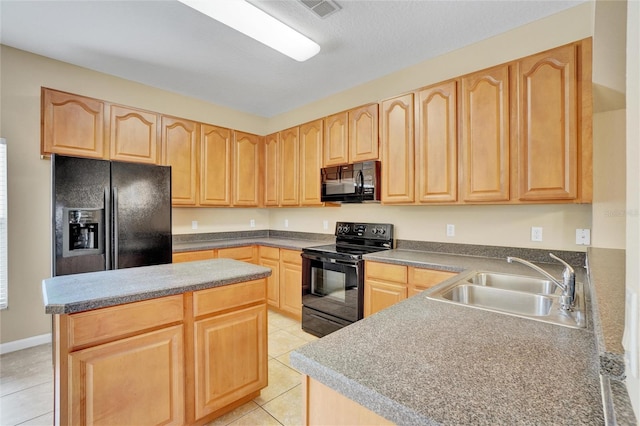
(78, 187)
(142, 212)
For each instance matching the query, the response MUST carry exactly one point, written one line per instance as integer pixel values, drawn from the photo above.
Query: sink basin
(516, 302)
(514, 282)
(522, 296)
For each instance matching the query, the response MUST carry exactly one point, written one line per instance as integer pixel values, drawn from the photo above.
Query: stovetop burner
(353, 240)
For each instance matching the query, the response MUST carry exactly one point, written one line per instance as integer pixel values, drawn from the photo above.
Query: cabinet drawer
(108, 324)
(386, 272)
(426, 278)
(270, 252)
(246, 253)
(190, 256)
(228, 297)
(291, 256)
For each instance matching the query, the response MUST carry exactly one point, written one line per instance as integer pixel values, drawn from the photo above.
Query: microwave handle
(360, 183)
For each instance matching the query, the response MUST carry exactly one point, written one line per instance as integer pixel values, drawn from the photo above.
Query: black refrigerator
(109, 215)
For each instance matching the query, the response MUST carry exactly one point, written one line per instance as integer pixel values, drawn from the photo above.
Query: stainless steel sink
(517, 295)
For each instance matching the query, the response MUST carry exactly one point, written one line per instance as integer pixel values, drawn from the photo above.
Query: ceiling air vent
(322, 8)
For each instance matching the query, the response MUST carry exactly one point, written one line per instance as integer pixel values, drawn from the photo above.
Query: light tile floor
(26, 384)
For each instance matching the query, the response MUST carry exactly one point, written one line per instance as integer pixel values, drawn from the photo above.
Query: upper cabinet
(247, 166)
(215, 165)
(436, 144)
(271, 164)
(180, 151)
(485, 137)
(290, 167)
(548, 147)
(134, 135)
(351, 136)
(397, 143)
(310, 163)
(72, 125)
(363, 133)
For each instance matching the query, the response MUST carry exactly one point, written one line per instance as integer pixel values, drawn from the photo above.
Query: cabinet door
(180, 151)
(138, 380)
(72, 125)
(290, 167)
(485, 135)
(271, 170)
(246, 169)
(215, 166)
(310, 163)
(548, 143)
(379, 295)
(273, 281)
(230, 358)
(363, 133)
(336, 146)
(244, 254)
(397, 150)
(423, 279)
(291, 282)
(133, 135)
(436, 144)
(190, 256)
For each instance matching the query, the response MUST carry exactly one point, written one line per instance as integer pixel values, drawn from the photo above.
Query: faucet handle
(566, 265)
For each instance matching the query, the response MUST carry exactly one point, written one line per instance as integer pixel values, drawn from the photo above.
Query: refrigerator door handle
(115, 228)
(107, 229)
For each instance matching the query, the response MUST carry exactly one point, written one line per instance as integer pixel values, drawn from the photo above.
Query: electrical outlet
(325, 224)
(451, 230)
(536, 233)
(583, 237)
(252, 223)
(194, 224)
(286, 223)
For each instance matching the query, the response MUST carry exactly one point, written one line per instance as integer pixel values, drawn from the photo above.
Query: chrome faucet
(568, 285)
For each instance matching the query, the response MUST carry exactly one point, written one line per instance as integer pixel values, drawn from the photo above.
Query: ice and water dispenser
(83, 232)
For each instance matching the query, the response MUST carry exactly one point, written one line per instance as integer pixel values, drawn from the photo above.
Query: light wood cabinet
(271, 176)
(290, 167)
(190, 256)
(215, 166)
(134, 135)
(149, 366)
(548, 143)
(485, 135)
(436, 144)
(230, 357)
(72, 125)
(247, 167)
(269, 257)
(336, 139)
(180, 151)
(291, 283)
(387, 284)
(310, 163)
(245, 253)
(397, 144)
(363, 133)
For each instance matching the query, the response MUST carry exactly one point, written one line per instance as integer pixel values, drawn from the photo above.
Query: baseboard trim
(29, 342)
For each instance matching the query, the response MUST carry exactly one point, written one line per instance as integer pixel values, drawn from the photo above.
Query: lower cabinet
(387, 284)
(269, 257)
(175, 360)
(291, 283)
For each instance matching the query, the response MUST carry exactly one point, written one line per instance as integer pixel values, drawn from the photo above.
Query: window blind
(3, 225)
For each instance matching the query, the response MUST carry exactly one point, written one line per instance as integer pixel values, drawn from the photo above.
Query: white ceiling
(167, 45)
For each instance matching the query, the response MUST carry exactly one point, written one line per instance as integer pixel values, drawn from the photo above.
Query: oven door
(331, 286)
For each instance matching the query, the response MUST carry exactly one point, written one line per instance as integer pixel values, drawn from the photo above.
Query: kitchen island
(166, 344)
(426, 362)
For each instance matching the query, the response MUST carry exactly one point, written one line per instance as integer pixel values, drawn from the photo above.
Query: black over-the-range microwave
(352, 183)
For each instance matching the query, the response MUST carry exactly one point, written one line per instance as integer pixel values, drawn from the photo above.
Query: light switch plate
(451, 230)
(536, 233)
(252, 223)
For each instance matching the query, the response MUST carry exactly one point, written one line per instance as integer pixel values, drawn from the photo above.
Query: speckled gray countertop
(81, 292)
(286, 243)
(425, 362)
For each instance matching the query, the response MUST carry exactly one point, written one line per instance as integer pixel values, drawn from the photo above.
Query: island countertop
(82, 292)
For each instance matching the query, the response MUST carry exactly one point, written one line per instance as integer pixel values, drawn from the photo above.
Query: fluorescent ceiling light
(251, 21)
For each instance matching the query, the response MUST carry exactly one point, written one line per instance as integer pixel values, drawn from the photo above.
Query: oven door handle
(320, 258)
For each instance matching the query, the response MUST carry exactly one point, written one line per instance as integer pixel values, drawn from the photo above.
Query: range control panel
(365, 231)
